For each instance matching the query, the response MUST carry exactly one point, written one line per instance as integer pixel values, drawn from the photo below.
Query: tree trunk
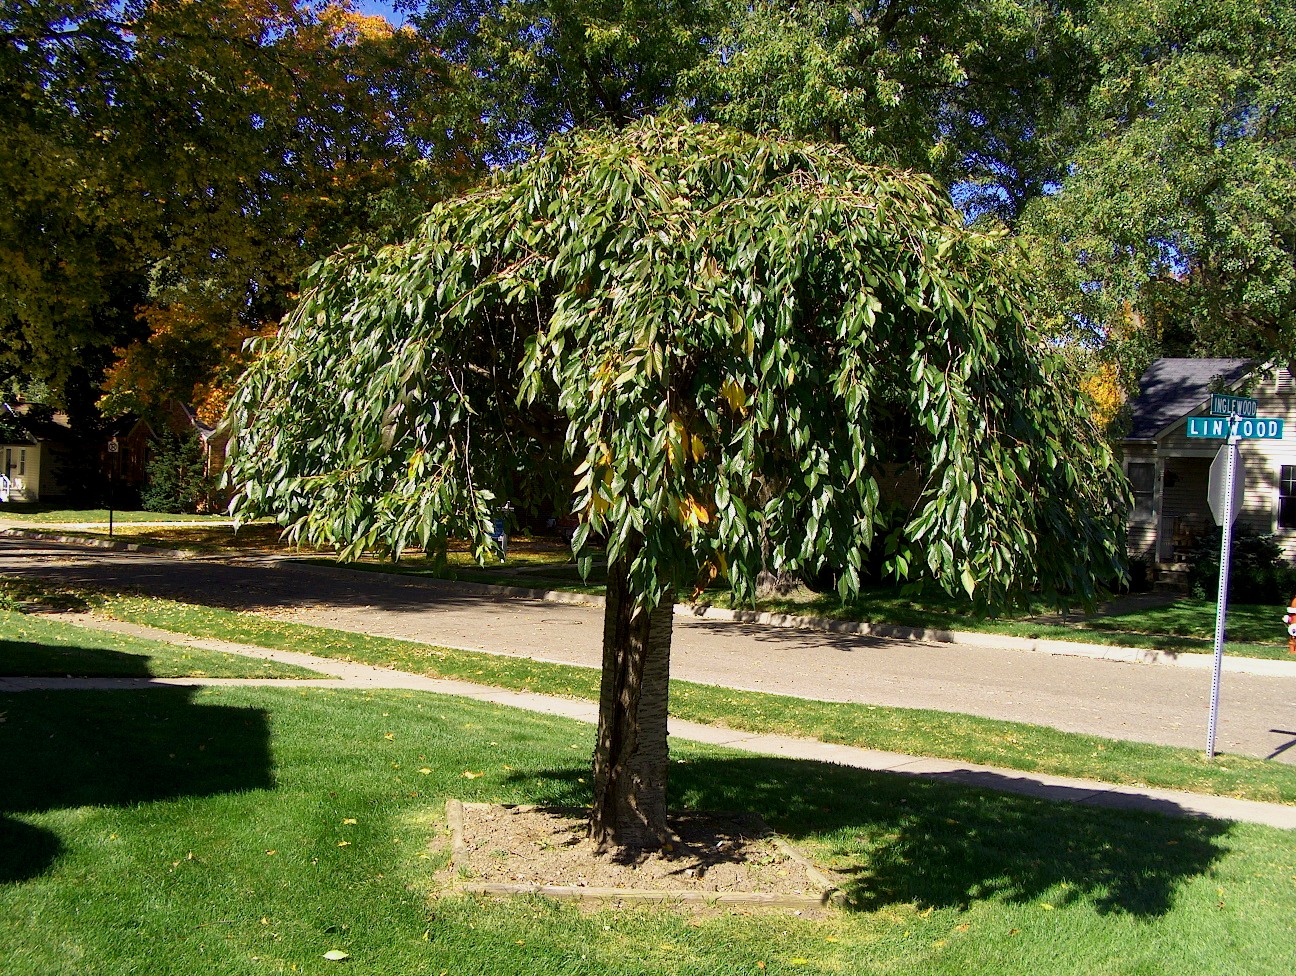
(631, 758)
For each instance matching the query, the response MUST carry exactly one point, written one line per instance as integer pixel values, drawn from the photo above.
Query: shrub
(1258, 572)
(175, 477)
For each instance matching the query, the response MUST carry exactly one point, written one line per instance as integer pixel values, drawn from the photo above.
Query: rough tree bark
(631, 760)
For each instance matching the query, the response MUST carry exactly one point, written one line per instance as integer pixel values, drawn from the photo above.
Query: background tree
(1172, 229)
(543, 67)
(693, 315)
(980, 94)
(168, 170)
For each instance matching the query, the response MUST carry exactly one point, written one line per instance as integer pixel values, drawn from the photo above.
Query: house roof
(1173, 388)
(27, 423)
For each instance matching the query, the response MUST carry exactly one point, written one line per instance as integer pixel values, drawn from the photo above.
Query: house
(34, 441)
(1170, 471)
(136, 443)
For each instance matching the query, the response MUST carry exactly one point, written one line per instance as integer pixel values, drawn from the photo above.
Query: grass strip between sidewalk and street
(945, 735)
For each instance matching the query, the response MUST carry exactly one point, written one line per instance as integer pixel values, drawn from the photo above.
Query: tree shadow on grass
(32, 659)
(896, 840)
(68, 749)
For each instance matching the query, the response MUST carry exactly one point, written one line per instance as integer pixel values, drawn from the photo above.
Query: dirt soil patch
(721, 858)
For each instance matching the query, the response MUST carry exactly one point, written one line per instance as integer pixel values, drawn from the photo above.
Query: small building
(33, 443)
(1170, 471)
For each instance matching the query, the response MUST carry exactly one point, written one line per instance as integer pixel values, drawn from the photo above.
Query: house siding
(21, 463)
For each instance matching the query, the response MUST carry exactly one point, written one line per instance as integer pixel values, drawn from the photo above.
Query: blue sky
(383, 7)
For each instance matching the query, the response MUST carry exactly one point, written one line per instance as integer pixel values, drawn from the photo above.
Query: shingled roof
(1173, 388)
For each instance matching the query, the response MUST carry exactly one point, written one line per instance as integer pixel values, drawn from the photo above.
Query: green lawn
(253, 830)
(34, 646)
(947, 735)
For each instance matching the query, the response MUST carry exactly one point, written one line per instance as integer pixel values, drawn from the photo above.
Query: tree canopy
(1142, 148)
(738, 345)
(543, 67)
(1172, 226)
(704, 314)
(169, 169)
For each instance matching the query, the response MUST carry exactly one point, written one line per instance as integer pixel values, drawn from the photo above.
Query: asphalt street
(1143, 702)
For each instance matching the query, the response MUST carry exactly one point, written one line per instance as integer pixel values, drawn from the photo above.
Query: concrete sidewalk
(349, 675)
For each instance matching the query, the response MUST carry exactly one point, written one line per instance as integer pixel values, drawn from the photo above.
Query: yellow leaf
(336, 955)
(349, 820)
(734, 394)
(1046, 906)
(471, 775)
(425, 771)
(699, 449)
(389, 735)
(344, 843)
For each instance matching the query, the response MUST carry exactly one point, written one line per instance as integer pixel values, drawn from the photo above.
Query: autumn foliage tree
(690, 316)
(169, 169)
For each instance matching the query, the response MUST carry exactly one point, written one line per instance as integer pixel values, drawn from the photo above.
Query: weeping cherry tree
(745, 354)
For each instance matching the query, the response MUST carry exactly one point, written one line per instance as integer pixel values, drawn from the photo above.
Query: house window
(22, 462)
(1142, 479)
(1287, 497)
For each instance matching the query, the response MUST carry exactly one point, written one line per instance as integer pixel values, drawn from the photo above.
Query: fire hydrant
(1289, 618)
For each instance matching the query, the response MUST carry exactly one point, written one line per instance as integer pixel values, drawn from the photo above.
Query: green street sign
(1249, 428)
(1224, 405)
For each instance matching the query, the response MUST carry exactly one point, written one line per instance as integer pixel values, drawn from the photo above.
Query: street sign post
(1229, 512)
(1225, 496)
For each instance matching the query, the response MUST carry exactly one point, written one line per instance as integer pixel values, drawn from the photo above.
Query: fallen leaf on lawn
(349, 820)
(389, 735)
(798, 962)
(336, 955)
(470, 775)
(1046, 906)
(425, 771)
(961, 928)
(344, 843)
(271, 853)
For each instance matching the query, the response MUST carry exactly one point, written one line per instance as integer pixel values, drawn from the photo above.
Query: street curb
(39, 535)
(786, 621)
